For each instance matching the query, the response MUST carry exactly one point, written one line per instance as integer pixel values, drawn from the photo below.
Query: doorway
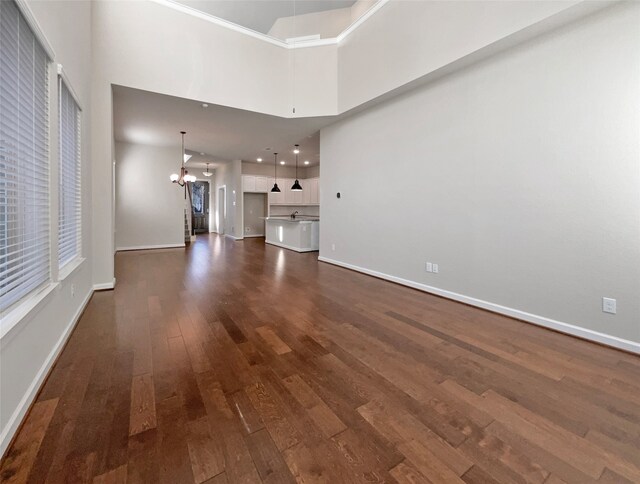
(221, 212)
(200, 206)
(255, 211)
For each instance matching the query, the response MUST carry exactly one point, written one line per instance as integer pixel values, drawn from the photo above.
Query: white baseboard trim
(27, 399)
(105, 285)
(253, 235)
(605, 339)
(148, 247)
(233, 237)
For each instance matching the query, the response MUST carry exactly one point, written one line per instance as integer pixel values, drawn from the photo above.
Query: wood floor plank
(242, 372)
(143, 405)
(18, 461)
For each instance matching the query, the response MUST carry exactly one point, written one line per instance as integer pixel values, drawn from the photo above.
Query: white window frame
(68, 266)
(31, 301)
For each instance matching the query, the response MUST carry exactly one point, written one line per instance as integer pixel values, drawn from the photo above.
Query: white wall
(422, 37)
(286, 171)
(182, 55)
(29, 349)
(519, 176)
(149, 208)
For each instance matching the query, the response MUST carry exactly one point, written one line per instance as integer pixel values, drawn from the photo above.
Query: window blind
(24, 158)
(69, 232)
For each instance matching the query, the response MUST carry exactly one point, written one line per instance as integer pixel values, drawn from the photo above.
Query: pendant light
(296, 187)
(184, 176)
(275, 188)
(207, 173)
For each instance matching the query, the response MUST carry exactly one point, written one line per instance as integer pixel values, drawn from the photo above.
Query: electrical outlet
(428, 266)
(333, 247)
(435, 268)
(608, 305)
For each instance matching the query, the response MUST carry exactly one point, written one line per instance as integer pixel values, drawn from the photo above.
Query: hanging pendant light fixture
(207, 173)
(275, 188)
(296, 187)
(184, 176)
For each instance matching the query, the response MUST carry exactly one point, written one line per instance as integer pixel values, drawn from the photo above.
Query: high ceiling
(259, 15)
(221, 133)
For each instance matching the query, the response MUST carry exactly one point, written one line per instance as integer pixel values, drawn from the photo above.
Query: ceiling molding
(266, 38)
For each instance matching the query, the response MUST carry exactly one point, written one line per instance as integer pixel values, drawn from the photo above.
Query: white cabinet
(310, 194)
(256, 184)
(262, 184)
(276, 198)
(248, 183)
(314, 191)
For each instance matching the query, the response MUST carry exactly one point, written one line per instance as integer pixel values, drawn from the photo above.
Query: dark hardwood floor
(234, 362)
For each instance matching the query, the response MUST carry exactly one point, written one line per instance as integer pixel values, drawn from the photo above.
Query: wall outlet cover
(609, 305)
(428, 266)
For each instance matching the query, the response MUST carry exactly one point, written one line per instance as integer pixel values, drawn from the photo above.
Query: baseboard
(233, 237)
(25, 403)
(148, 247)
(105, 285)
(605, 339)
(253, 235)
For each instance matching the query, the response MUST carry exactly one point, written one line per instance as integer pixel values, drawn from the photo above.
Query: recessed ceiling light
(201, 154)
(306, 162)
(282, 162)
(259, 160)
(205, 105)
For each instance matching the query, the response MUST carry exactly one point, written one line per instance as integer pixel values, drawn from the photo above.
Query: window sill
(31, 303)
(70, 267)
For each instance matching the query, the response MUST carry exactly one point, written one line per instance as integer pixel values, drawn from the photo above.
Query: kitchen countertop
(286, 218)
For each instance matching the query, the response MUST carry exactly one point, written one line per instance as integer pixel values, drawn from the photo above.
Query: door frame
(221, 219)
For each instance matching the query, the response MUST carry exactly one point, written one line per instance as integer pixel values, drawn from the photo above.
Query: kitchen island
(301, 234)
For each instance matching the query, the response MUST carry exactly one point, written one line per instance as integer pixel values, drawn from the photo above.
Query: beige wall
(149, 208)
(519, 176)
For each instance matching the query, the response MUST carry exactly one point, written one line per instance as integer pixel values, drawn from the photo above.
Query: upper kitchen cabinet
(262, 184)
(256, 184)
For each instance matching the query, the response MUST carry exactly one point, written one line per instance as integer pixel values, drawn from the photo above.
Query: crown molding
(266, 38)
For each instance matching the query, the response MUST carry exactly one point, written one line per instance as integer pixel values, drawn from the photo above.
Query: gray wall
(149, 208)
(519, 176)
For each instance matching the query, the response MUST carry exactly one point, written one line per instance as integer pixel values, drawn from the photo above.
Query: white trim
(69, 267)
(290, 247)
(297, 44)
(23, 308)
(253, 235)
(361, 20)
(35, 27)
(105, 285)
(605, 339)
(233, 237)
(63, 74)
(27, 399)
(148, 247)
(219, 21)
